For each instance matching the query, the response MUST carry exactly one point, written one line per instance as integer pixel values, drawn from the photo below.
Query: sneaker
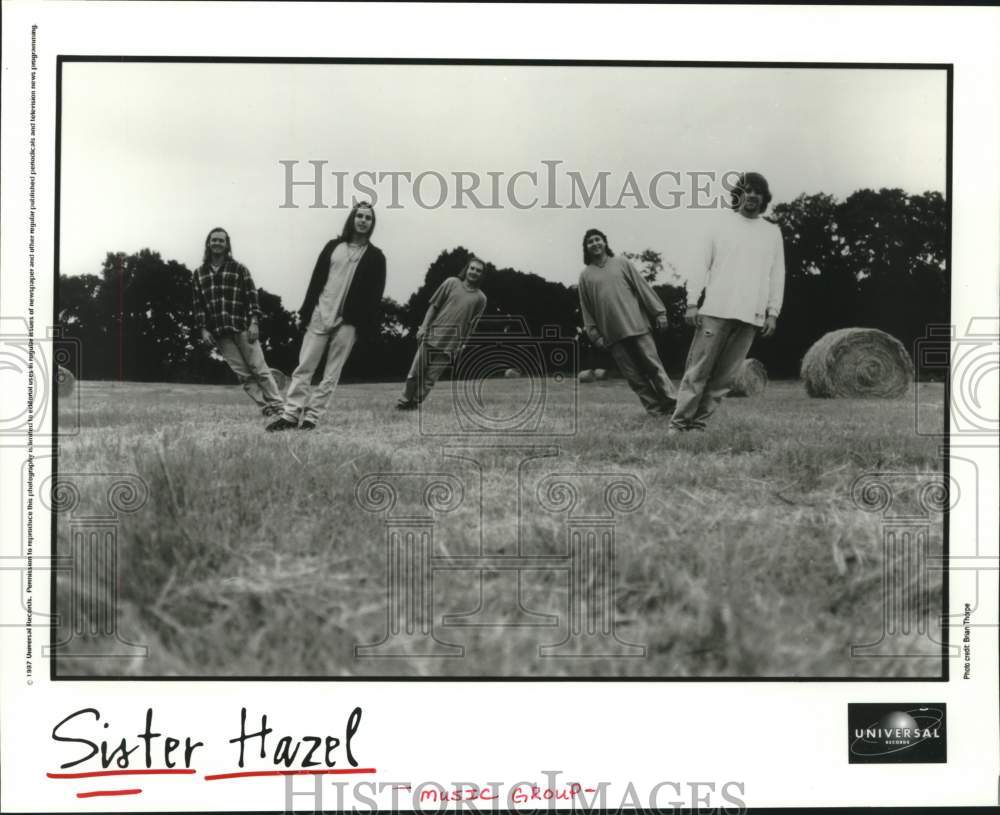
(281, 423)
(404, 404)
(270, 411)
(307, 425)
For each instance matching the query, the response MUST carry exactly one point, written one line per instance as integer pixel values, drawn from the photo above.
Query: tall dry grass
(253, 558)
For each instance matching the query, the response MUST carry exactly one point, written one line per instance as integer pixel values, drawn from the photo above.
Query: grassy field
(252, 557)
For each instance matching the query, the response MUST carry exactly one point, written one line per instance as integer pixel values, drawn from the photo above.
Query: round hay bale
(858, 363)
(65, 382)
(750, 380)
(512, 373)
(600, 374)
(279, 379)
(585, 376)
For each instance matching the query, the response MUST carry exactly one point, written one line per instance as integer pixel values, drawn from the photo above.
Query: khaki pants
(717, 351)
(247, 361)
(428, 364)
(303, 400)
(639, 363)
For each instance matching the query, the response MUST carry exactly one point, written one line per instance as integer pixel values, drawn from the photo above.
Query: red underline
(260, 773)
(96, 793)
(103, 773)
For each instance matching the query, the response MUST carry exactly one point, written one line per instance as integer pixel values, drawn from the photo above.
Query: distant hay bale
(279, 378)
(600, 374)
(857, 362)
(512, 373)
(65, 382)
(585, 376)
(750, 380)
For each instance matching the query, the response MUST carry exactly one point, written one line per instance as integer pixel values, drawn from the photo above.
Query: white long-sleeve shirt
(743, 272)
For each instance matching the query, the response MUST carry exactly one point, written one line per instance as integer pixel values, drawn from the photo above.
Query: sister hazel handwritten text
(154, 749)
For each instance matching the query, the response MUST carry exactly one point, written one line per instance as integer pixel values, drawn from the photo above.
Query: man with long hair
(451, 317)
(620, 310)
(342, 301)
(226, 309)
(743, 277)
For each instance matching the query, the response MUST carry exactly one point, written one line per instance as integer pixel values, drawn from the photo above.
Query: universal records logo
(896, 734)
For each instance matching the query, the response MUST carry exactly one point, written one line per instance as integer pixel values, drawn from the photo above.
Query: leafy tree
(279, 332)
(876, 259)
(135, 322)
(648, 262)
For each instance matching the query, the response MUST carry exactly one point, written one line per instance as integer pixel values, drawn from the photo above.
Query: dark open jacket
(362, 305)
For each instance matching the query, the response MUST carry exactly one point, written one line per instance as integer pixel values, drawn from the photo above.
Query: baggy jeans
(428, 364)
(717, 350)
(247, 361)
(639, 362)
(303, 401)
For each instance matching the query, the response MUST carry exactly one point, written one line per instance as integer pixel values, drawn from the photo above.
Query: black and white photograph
(438, 406)
(506, 370)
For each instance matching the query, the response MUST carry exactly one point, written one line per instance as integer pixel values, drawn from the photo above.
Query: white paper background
(785, 742)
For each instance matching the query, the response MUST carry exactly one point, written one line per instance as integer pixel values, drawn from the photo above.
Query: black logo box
(889, 745)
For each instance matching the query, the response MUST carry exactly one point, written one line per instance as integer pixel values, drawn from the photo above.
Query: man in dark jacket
(343, 300)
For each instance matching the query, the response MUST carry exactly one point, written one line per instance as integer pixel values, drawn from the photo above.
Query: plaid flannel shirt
(224, 301)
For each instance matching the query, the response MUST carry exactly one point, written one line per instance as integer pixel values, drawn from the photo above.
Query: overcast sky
(154, 155)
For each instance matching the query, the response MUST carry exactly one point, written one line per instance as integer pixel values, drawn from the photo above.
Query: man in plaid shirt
(226, 311)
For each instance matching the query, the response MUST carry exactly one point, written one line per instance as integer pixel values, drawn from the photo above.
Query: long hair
(751, 181)
(347, 233)
(587, 236)
(465, 269)
(207, 256)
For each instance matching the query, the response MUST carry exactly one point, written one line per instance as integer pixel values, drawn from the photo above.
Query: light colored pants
(717, 350)
(247, 361)
(303, 400)
(639, 363)
(428, 364)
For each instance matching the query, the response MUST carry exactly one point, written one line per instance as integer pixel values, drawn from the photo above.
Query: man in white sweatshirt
(744, 282)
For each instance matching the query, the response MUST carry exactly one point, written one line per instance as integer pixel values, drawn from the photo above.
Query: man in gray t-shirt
(451, 317)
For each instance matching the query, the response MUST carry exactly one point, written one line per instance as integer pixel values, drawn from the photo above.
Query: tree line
(875, 259)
